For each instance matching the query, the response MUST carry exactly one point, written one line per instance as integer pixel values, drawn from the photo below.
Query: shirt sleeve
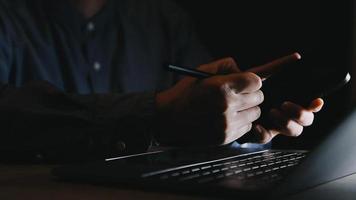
(39, 122)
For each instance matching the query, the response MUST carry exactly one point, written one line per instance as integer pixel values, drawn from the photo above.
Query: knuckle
(311, 121)
(306, 118)
(254, 114)
(234, 134)
(289, 125)
(253, 79)
(258, 97)
(258, 112)
(225, 90)
(248, 127)
(302, 115)
(230, 60)
(296, 131)
(262, 96)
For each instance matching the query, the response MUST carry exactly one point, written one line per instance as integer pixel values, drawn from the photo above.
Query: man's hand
(289, 120)
(221, 109)
(213, 111)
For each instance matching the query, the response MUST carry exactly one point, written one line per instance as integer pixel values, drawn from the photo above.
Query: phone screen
(301, 85)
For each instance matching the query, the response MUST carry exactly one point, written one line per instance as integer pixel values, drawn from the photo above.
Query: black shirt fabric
(77, 88)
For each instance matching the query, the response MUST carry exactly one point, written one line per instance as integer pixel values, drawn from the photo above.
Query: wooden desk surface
(35, 182)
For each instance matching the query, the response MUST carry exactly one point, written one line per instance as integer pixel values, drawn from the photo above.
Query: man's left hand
(290, 120)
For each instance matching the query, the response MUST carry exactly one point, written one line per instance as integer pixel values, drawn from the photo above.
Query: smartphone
(301, 85)
(298, 84)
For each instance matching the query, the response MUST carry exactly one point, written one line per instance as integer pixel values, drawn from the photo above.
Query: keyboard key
(247, 169)
(233, 166)
(229, 174)
(175, 174)
(195, 169)
(259, 172)
(189, 177)
(206, 173)
(186, 172)
(206, 167)
(216, 171)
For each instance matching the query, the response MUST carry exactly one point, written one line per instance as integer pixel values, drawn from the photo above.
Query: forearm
(40, 120)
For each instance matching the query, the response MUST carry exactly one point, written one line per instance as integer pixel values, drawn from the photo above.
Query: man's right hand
(212, 111)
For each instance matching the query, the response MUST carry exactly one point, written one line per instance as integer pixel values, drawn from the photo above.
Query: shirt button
(90, 27)
(97, 66)
(120, 146)
(39, 157)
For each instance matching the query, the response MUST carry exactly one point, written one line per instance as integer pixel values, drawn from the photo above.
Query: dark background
(254, 32)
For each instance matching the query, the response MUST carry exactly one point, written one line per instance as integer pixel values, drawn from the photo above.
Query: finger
(298, 113)
(240, 102)
(266, 70)
(285, 125)
(264, 136)
(236, 133)
(244, 82)
(316, 105)
(245, 117)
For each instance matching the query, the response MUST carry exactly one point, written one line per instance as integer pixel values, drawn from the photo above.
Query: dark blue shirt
(62, 72)
(121, 49)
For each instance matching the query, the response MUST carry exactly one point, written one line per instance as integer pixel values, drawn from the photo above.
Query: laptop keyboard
(265, 166)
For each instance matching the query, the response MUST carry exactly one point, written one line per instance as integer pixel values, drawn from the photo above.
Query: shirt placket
(94, 58)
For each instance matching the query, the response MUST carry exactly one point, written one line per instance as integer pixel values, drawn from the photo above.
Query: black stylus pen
(264, 71)
(189, 72)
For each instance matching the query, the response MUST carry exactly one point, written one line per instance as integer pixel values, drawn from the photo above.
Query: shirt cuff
(129, 119)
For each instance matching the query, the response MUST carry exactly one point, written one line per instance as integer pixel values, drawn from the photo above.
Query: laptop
(227, 171)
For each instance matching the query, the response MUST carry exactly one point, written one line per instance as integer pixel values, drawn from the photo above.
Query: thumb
(222, 66)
